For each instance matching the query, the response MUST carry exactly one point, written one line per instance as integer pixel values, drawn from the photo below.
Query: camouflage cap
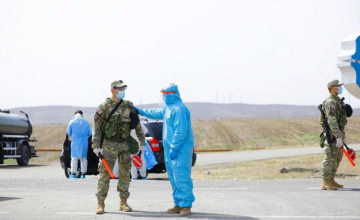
(334, 82)
(118, 83)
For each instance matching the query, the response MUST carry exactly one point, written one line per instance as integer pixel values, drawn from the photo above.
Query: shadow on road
(348, 189)
(2, 199)
(158, 178)
(194, 215)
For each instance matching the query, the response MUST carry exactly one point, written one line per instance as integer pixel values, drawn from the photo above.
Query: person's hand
(344, 141)
(339, 143)
(173, 154)
(97, 151)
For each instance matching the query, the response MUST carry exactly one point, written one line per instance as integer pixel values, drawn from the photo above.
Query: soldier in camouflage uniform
(114, 144)
(332, 109)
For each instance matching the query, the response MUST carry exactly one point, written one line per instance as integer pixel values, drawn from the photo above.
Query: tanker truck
(15, 132)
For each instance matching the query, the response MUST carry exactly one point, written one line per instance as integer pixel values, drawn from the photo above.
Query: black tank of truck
(14, 124)
(15, 132)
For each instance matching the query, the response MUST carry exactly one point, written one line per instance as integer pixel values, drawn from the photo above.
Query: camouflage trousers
(111, 151)
(331, 163)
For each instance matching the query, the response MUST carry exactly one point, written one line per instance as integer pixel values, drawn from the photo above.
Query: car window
(154, 130)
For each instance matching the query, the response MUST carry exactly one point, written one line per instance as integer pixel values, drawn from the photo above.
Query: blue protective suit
(80, 131)
(177, 135)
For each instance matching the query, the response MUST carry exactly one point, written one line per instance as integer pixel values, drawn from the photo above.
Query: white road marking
(3, 212)
(316, 216)
(7, 189)
(313, 188)
(155, 214)
(209, 215)
(74, 213)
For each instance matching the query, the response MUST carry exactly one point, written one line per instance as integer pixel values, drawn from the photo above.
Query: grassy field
(270, 169)
(237, 134)
(241, 134)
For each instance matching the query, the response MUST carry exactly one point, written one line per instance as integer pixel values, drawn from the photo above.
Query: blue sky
(258, 52)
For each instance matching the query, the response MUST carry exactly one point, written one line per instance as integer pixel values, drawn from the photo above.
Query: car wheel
(25, 156)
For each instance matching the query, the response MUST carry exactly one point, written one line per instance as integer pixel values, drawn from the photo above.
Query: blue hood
(171, 98)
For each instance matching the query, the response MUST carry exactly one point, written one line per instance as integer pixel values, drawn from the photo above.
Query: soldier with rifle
(333, 120)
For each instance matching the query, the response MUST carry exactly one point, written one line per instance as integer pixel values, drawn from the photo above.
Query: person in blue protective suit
(178, 141)
(79, 129)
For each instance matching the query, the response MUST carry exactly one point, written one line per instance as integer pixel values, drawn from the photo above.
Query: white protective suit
(134, 170)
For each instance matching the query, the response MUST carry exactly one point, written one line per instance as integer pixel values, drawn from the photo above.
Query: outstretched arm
(153, 113)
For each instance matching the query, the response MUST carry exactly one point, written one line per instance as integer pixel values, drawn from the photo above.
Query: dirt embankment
(264, 133)
(238, 134)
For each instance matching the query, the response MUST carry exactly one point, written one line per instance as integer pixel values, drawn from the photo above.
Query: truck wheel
(25, 156)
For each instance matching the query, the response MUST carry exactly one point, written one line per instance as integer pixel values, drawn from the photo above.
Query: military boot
(326, 185)
(124, 206)
(175, 209)
(100, 207)
(185, 211)
(334, 183)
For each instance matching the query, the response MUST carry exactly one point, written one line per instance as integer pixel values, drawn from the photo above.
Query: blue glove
(173, 154)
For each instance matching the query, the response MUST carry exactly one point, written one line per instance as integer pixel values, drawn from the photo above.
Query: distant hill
(42, 115)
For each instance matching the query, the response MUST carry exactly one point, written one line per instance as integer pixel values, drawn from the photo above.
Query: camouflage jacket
(117, 129)
(332, 108)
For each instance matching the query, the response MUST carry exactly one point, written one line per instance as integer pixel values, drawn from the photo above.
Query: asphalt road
(42, 192)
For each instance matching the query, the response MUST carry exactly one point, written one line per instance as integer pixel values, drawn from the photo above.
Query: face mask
(340, 90)
(120, 95)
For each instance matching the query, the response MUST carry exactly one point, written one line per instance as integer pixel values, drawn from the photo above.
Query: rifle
(342, 148)
(325, 126)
